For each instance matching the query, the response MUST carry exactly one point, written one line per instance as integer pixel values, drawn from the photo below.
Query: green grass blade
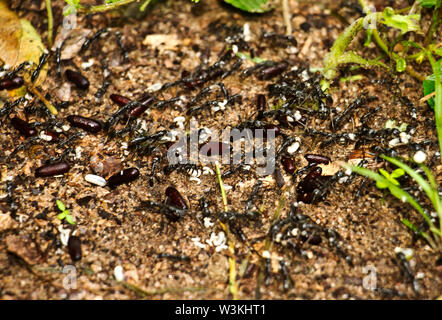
(430, 192)
(423, 234)
(413, 227)
(395, 190)
(430, 176)
(438, 98)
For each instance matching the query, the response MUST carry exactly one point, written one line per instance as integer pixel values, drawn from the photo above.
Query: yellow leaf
(19, 42)
(11, 31)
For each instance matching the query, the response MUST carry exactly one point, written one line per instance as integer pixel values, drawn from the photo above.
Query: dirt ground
(117, 227)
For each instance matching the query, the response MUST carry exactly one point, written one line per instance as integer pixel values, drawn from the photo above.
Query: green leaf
(245, 56)
(397, 173)
(253, 6)
(403, 127)
(422, 183)
(352, 57)
(60, 205)
(369, 36)
(146, 3)
(401, 65)
(429, 86)
(390, 124)
(384, 173)
(356, 77)
(381, 185)
(435, 49)
(404, 23)
(420, 58)
(413, 227)
(69, 219)
(395, 190)
(62, 215)
(73, 6)
(428, 3)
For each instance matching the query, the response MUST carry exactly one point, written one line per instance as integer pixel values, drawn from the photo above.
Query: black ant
(70, 139)
(285, 273)
(152, 170)
(114, 118)
(234, 67)
(337, 122)
(29, 142)
(163, 103)
(171, 212)
(145, 144)
(123, 51)
(41, 63)
(249, 71)
(9, 106)
(92, 39)
(281, 40)
(106, 82)
(369, 115)
(17, 70)
(204, 207)
(406, 269)
(173, 257)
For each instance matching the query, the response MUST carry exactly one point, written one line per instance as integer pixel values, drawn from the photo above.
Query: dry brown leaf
(72, 41)
(6, 222)
(23, 248)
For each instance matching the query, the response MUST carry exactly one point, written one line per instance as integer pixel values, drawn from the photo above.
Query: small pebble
(420, 157)
(118, 273)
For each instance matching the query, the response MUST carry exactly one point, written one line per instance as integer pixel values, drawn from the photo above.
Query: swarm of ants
(298, 101)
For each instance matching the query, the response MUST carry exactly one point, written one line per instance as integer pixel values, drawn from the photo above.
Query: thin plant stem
(50, 22)
(104, 7)
(434, 23)
(268, 246)
(233, 286)
(221, 186)
(381, 44)
(286, 17)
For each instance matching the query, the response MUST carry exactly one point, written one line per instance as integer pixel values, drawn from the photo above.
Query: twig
(48, 105)
(428, 97)
(233, 286)
(286, 16)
